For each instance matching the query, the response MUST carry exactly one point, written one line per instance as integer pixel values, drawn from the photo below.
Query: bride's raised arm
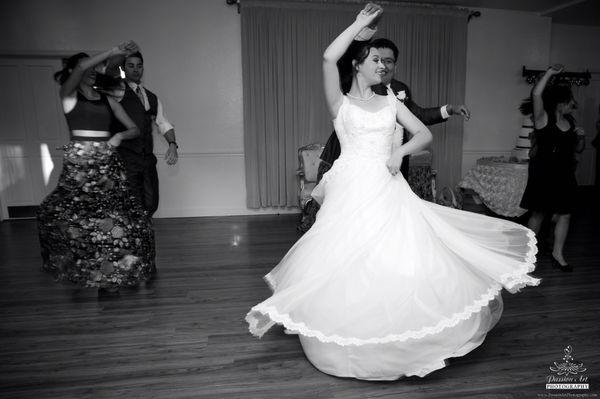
(335, 51)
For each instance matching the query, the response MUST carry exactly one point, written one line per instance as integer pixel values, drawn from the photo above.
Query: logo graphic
(568, 373)
(568, 366)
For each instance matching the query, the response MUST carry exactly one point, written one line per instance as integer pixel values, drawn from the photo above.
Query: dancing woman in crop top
(93, 232)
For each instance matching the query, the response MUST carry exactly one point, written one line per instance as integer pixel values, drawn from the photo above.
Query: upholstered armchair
(308, 168)
(421, 177)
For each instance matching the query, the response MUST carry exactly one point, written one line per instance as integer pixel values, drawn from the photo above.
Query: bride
(384, 284)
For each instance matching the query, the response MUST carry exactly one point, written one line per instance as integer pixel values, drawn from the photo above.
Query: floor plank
(184, 336)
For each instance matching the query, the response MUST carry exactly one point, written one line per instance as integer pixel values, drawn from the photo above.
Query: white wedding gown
(384, 284)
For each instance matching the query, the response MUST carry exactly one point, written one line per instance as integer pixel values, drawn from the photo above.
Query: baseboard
(22, 212)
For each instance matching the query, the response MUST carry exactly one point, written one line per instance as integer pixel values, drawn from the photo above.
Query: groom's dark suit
(429, 116)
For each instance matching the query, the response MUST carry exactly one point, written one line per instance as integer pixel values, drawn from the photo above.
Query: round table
(500, 183)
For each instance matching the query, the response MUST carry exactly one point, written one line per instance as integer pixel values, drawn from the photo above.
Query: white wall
(578, 48)
(192, 52)
(500, 42)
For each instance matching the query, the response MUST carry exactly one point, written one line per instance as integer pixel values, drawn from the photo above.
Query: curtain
(284, 105)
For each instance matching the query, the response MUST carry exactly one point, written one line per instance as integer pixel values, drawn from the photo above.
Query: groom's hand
(460, 110)
(171, 155)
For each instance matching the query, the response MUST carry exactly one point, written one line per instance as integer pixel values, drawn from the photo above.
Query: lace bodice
(363, 133)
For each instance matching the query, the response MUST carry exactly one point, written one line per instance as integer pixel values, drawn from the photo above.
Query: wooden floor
(184, 335)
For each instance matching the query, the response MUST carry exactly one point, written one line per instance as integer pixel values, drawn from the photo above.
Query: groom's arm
(429, 116)
(332, 149)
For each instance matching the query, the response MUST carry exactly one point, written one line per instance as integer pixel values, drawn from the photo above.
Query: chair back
(308, 161)
(308, 170)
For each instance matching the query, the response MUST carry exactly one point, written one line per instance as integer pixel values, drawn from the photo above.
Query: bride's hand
(370, 14)
(393, 164)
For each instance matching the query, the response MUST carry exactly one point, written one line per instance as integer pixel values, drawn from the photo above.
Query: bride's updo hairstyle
(357, 52)
(62, 75)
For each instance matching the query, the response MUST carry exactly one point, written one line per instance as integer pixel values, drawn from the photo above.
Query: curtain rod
(232, 2)
(384, 2)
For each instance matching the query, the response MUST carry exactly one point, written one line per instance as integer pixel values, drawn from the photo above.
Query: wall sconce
(572, 78)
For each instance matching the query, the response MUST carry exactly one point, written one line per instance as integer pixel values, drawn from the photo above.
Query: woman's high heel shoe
(563, 268)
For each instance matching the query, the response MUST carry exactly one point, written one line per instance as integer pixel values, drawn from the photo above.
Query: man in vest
(144, 107)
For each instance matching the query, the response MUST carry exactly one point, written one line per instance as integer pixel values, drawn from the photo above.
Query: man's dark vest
(142, 118)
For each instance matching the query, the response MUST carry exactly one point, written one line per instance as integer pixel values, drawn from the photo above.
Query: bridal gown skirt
(386, 285)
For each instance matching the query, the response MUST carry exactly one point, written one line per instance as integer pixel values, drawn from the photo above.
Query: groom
(146, 110)
(429, 116)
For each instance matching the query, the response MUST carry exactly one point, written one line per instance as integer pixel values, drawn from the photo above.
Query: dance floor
(183, 335)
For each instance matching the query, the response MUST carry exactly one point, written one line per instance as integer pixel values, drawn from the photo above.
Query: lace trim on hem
(518, 279)
(272, 313)
(513, 282)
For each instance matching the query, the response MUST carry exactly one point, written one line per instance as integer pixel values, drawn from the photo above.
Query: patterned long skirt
(93, 231)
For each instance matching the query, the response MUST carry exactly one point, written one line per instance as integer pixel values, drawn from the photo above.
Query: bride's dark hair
(357, 51)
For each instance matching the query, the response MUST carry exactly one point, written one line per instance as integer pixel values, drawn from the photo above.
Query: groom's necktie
(138, 91)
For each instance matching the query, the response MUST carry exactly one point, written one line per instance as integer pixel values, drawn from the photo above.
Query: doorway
(33, 130)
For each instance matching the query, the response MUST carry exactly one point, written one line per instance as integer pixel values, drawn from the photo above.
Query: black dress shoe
(152, 275)
(563, 268)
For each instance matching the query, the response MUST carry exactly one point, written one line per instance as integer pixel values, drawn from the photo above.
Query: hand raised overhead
(370, 14)
(126, 48)
(556, 69)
